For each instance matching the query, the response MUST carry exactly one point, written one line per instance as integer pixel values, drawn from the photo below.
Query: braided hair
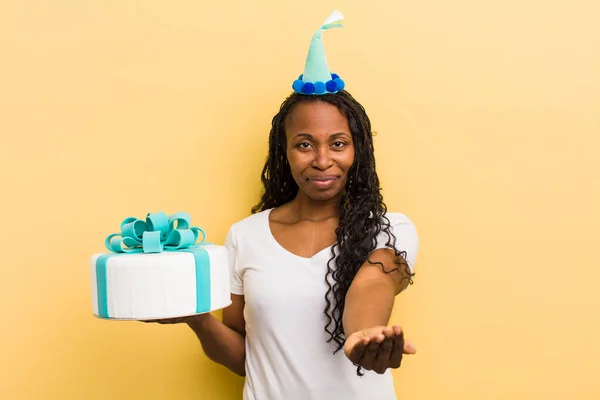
(361, 208)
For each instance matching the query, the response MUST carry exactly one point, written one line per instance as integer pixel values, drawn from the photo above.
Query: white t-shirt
(287, 356)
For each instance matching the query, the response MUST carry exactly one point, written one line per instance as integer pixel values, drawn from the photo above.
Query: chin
(320, 197)
(324, 195)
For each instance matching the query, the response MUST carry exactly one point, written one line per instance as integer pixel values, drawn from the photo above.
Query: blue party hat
(317, 78)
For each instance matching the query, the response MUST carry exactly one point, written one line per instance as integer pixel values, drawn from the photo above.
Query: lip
(323, 182)
(323, 178)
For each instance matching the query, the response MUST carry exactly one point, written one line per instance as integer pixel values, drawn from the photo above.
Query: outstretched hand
(378, 348)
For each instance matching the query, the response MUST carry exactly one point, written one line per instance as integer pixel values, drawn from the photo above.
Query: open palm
(378, 348)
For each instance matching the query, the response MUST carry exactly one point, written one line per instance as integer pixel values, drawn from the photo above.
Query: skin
(320, 153)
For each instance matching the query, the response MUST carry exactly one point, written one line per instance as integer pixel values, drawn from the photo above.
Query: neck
(305, 208)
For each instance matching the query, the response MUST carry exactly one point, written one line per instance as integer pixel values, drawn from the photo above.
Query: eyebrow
(309, 136)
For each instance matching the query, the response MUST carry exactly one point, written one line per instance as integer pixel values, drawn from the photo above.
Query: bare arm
(224, 342)
(370, 299)
(370, 343)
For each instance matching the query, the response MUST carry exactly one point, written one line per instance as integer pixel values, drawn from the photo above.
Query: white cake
(160, 284)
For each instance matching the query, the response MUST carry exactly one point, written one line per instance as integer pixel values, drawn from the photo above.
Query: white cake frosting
(140, 286)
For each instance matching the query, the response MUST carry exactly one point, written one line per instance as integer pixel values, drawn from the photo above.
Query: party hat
(317, 78)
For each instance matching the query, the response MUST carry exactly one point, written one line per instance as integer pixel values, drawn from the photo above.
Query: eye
(303, 145)
(338, 145)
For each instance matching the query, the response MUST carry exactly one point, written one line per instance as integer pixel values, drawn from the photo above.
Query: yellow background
(488, 122)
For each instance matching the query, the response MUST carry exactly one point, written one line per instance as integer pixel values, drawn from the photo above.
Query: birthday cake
(160, 267)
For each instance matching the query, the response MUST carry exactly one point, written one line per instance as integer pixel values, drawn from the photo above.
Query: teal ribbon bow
(157, 233)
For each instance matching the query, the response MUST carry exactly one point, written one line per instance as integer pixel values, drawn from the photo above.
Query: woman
(315, 269)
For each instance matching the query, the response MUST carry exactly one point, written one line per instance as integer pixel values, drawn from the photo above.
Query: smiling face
(319, 149)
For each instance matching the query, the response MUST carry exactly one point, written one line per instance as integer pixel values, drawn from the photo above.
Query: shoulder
(251, 222)
(248, 227)
(398, 218)
(401, 224)
(405, 232)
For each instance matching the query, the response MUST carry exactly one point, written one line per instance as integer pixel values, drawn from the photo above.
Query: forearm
(220, 343)
(368, 304)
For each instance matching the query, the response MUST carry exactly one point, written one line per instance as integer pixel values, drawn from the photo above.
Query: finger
(358, 350)
(382, 360)
(368, 360)
(166, 321)
(398, 348)
(409, 348)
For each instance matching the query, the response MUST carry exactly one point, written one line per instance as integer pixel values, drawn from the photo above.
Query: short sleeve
(407, 239)
(236, 283)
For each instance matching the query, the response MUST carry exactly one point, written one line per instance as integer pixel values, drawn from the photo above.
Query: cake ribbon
(157, 233)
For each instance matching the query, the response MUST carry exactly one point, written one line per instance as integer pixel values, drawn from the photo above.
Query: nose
(322, 160)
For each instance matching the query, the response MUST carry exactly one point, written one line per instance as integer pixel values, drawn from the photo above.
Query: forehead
(315, 118)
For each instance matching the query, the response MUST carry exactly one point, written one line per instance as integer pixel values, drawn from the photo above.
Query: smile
(323, 182)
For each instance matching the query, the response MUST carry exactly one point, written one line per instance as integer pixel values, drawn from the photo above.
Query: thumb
(409, 348)
(353, 340)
